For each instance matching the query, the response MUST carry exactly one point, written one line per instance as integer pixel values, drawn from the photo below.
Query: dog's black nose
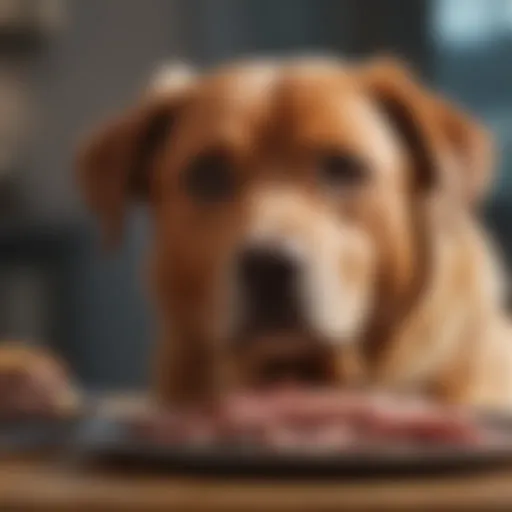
(263, 268)
(269, 283)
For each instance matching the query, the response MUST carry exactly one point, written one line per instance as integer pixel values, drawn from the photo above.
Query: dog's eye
(210, 178)
(342, 169)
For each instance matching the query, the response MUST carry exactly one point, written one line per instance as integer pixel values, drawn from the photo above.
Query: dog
(313, 221)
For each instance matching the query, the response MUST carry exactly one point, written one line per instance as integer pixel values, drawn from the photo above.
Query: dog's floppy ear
(448, 148)
(114, 163)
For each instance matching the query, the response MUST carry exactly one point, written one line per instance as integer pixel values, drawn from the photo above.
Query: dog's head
(286, 199)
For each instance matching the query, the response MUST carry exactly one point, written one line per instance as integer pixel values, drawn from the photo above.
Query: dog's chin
(286, 358)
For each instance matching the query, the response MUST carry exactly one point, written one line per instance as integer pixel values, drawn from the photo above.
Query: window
(472, 45)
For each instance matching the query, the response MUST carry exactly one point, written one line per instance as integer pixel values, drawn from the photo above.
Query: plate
(109, 442)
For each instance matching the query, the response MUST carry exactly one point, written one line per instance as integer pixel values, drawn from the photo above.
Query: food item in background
(315, 420)
(34, 383)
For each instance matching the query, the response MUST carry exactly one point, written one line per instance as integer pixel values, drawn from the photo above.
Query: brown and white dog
(313, 220)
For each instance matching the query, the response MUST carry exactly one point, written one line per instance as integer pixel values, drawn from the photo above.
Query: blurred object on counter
(34, 382)
(24, 26)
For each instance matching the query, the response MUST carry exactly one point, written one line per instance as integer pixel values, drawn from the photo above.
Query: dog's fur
(400, 284)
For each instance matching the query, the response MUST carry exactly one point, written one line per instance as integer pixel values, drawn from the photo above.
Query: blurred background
(65, 64)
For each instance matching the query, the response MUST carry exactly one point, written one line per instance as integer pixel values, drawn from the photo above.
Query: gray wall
(95, 66)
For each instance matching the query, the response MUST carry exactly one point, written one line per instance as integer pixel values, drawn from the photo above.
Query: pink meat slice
(318, 419)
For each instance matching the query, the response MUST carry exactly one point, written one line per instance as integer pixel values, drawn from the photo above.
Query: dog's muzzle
(268, 280)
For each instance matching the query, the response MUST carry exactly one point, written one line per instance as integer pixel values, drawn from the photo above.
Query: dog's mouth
(285, 358)
(274, 340)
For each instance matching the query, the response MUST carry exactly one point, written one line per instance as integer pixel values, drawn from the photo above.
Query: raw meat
(319, 420)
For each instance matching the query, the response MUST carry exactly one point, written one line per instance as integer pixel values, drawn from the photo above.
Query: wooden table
(40, 485)
(43, 483)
